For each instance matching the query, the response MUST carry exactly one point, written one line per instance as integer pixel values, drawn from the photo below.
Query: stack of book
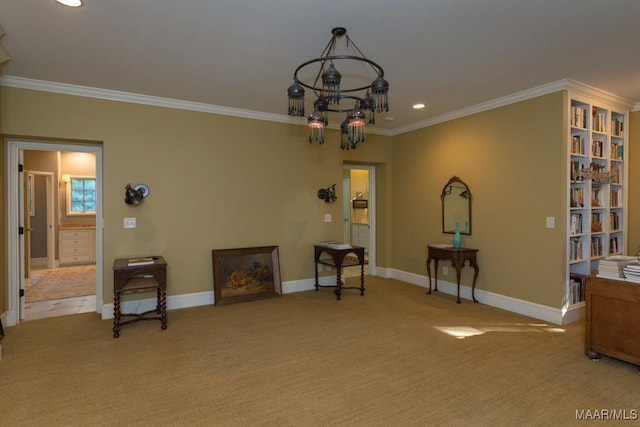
(632, 272)
(613, 267)
(335, 245)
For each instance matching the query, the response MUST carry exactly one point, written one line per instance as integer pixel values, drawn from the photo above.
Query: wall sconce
(134, 195)
(328, 194)
(66, 178)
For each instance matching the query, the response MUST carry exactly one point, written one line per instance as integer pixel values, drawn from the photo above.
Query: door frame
(371, 210)
(15, 241)
(51, 242)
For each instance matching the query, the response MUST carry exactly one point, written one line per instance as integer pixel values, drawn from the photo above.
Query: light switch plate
(129, 223)
(328, 218)
(551, 222)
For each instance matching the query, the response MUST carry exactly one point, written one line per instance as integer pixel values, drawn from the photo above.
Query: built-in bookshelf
(597, 171)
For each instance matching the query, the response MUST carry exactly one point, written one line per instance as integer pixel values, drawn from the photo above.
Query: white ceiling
(241, 54)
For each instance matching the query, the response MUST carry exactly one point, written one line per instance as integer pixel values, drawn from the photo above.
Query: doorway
(358, 207)
(26, 266)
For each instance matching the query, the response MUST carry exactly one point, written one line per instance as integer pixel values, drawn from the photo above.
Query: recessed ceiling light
(418, 106)
(71, 3)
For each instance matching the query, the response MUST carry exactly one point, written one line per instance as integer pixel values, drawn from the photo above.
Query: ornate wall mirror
(456, 207)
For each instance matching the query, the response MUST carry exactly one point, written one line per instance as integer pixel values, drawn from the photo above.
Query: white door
(371, 212)
(346, 211)
(23, 212)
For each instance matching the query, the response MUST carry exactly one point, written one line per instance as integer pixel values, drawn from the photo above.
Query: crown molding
(114, 95)
(564, 84)
(598, 95)
(575, 87)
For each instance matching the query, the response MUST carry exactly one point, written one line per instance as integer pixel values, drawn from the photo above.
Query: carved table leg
(116, 315)
(163, 308)
(362, 278)
(338, 290)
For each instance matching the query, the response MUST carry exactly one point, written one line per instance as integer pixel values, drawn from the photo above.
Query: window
(81, 197)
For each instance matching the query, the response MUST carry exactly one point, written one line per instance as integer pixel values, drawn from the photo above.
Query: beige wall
(512, 159)
(215, 181)
(221, 182)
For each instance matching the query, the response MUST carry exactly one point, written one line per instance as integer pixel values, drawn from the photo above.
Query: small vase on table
(457, 238)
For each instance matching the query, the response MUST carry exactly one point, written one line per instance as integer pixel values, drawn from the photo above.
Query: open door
(23, 215)
(27, 194)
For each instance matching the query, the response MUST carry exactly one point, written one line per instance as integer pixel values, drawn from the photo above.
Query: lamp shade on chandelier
(359, 98)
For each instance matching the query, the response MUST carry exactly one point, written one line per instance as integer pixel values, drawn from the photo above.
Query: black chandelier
(368, 99)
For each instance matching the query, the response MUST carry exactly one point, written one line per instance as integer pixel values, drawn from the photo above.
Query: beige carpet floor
(394, 357)
(60, 283)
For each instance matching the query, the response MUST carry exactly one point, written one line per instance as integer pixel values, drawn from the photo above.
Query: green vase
(457, 238)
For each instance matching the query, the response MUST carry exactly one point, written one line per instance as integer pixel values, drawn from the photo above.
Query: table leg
(317, 284)
(116, 315)
(429, 274)
(338, 290)
(362, 278)
(458, 271)
(163, 308)
(476, 270)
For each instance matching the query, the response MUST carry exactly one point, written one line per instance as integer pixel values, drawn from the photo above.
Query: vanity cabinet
(360, 236)
(77, 246)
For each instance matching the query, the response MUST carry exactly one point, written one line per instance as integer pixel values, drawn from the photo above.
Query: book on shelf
(613, 266)
(140, 261)
(334, 245)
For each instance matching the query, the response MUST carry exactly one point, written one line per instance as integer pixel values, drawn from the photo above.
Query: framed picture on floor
(246, 274)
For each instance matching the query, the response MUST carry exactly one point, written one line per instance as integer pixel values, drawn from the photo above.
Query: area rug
(59, 283)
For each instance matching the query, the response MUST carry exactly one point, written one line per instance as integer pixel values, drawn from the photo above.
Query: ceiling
(241, 54)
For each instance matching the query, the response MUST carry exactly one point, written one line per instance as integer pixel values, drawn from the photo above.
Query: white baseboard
(526, 308)
(176, 302)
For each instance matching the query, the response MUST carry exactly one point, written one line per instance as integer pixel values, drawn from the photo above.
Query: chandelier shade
(321, 76)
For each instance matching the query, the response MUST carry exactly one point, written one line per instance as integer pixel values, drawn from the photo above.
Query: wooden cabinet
(360, 235)
(77, 246)
(612, 326)
(597, 193)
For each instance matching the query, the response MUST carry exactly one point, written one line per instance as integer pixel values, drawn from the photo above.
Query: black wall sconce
(328, 194)
(134, 195)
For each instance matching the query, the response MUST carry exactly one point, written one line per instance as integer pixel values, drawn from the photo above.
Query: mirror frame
(455, 180)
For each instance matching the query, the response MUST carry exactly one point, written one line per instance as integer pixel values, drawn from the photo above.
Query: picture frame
(246, 274)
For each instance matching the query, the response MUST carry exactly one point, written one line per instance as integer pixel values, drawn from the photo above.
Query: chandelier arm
(344, 110)
(363, 55)
(314, 87)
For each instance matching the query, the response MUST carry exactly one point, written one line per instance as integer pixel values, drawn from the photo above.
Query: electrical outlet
(129, 223)
(328, 217)
(445, 270)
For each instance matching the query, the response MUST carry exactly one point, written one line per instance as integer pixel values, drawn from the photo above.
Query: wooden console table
(137, 278)
(338, 260)
(612, 319)
(457, 256)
